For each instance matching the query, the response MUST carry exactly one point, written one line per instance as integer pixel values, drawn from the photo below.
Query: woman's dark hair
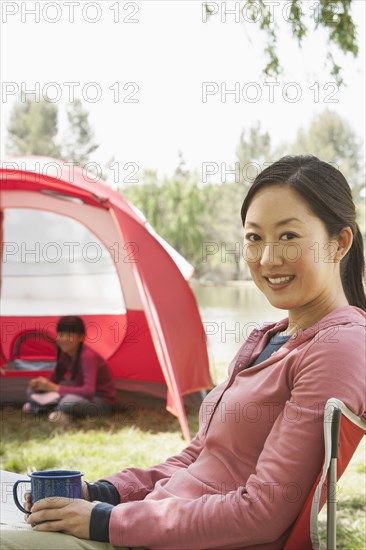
(326, 191)
(73, 325)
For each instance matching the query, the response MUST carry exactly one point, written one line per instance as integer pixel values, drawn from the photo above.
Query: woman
(244, 478)
(81, 384)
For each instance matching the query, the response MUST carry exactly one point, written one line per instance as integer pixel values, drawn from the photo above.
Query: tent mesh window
(53, 264)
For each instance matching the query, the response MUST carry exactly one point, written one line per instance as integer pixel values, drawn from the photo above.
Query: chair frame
(343, 431)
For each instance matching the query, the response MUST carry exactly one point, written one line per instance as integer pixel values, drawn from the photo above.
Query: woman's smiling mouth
(279, 281)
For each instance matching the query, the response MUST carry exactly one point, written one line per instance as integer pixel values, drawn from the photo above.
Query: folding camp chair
(31, 353)
(34, 345)
(33, 350)
(343, 431)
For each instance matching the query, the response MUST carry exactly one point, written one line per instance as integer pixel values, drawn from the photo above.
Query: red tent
(73, 246)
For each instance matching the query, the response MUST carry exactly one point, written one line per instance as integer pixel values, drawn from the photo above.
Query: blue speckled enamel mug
(51, 483)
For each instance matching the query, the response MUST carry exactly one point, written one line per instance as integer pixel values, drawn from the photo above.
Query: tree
(174, 207)
(333, 16)
(33, 128)
(331, 138)
(253, 153)
(79, 141)
(147, 197)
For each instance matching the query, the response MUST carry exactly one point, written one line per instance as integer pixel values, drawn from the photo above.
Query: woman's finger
(49, 526)
(27, 506)
(46, 515)
(51, 503)
(27, 503)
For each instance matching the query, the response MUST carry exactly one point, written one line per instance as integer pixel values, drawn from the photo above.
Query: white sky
(169, 53)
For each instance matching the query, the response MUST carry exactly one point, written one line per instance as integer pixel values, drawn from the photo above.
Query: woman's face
(289, 252)
(68, 342)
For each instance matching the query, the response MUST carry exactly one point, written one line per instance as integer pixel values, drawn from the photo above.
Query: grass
(141, 436)
(97, 447)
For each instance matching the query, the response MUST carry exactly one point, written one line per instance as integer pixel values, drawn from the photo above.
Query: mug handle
(15, 495)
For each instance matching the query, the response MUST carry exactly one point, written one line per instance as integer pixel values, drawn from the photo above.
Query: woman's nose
(271, 254)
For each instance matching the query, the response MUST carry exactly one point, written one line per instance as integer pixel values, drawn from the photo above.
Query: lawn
(141, 436)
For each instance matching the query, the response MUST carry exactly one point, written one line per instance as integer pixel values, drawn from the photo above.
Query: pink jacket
(93, 377)
(244, 478)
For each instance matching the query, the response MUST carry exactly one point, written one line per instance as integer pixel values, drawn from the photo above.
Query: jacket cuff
(99, 522)
(104, 492)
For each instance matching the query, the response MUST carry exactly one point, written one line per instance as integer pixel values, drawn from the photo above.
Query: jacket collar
(344, 315)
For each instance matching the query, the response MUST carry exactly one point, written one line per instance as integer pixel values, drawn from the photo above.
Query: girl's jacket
(244, 478)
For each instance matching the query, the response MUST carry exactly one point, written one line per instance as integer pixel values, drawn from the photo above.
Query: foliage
(33, 129)
(79, 142)
(173, 207)
(331, 138)
(332, 16)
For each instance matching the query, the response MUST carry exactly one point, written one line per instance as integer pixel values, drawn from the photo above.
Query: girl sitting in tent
(243, 480)
(80, 385)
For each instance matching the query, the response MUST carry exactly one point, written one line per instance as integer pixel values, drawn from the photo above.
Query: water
(229, 313)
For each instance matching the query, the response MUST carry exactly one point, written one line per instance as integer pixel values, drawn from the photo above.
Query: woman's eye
(252, 237)
(288, 236)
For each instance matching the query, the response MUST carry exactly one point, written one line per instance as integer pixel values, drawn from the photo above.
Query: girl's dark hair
(71, 323)
(326, 191)
(74, 325)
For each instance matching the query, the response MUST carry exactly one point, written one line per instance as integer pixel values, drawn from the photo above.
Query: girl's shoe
(59, 418)
(27, 408)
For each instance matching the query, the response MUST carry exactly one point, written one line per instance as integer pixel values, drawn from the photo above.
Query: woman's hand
(41, 383)
(70, 516)
(27, 504)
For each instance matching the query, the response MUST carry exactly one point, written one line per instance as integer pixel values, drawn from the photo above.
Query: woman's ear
(345, 240)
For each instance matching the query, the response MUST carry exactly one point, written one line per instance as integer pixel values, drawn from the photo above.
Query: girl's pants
(73, 405)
